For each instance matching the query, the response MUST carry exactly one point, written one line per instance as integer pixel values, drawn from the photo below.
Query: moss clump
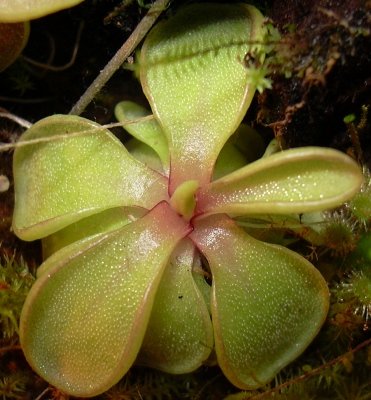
(15, 282)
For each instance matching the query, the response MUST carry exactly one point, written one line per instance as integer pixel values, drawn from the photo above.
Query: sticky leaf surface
(84, 319)
(267, 304)
(61, 181)
(148, 132)
(179, 336)
(106, 221)
(192, 71)
(293, 181)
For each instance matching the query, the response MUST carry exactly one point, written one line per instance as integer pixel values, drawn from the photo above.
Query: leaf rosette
(130, 236)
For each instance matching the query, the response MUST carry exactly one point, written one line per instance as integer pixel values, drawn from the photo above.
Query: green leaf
(230, 159)
(193, 74)
(293, 181)
(58, 182)
(269, 227)
(84, 319)
(183, 199)
(268, 303)
(17, 11)
(179, 336)
(106, 221)
(148, 132)
(145, 154)
(249, 142)
(244, 146)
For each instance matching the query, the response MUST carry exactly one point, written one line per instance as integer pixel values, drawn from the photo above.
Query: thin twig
(18, 100)
(44, 392)
(58, 68)
(22, 143)
(122, 54)
(313, 372)
(6, 349)
(20, 121)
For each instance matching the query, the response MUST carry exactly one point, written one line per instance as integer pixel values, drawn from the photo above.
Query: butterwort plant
(145, 262)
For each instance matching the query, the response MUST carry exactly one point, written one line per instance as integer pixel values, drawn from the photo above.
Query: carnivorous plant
(145, 262)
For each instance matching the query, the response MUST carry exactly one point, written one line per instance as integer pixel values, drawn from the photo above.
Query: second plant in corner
(124, 281)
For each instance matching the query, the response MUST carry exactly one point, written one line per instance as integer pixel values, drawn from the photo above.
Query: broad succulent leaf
(84, 320)
(230, 159)
(62, 181)
(243, 147)
(145, 154)
(293, 181)
(105, 221)
(148, 132)
(24, 10)
(192, 71)
(273, 228)
(267, 303)
(179, 336)
(249, 142)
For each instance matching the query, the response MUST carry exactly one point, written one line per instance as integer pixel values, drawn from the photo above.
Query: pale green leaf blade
(268, 303)
(145, 154)
(300, 180)
(249, 142)
(193, 73)
(58, 182)
(230, 159)
(84, 319)
(148, 132)
(103, 222)
(24, 10)
(179, 337)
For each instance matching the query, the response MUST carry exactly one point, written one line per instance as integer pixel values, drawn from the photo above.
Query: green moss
(15, 282)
